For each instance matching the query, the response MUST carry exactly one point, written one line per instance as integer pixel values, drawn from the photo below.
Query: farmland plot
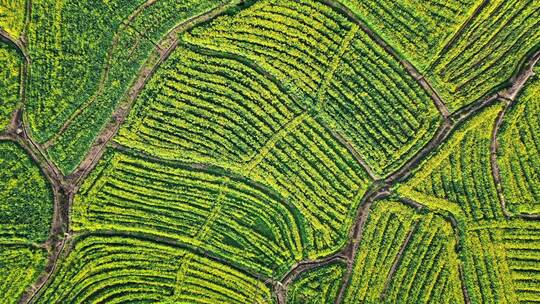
(405, 257)
(519, 153)
(119, 269)
(85, 55)
(269, 151)
(25, 217)
(10, 74)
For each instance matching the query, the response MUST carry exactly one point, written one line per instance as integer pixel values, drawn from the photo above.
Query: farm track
(509, 96)
(17, 43)
(64, 187)
(450, 123)
(418, 77)
(105, 73)
(458, 33)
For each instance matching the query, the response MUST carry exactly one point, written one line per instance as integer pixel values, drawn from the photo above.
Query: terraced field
(269, 151)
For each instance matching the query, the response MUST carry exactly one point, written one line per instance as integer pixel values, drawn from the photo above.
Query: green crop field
(269, 151)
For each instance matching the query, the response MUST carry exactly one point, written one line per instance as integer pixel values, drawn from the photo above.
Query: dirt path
(347, 254)
(509, 95)
(359, 159)
(17, 43)
(65, 187)
(104, 75)
(409, 67)
(17, 132)
(280, 287)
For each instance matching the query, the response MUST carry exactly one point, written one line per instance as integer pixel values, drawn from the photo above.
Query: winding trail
(509, 95)
(65, 187)
(409, 67)
(449, 124)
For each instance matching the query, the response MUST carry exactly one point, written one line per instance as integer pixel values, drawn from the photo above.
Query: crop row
(319, 285)
(521, 242)
(207, 108)
(378, 106)
(319, 177)
(488, 51)
(68, 44)
(20, 266)
(519, 152)
(205, 208)
(457, 176)
(26, 198)
(225, 102)
(292, 41)
(231, 106)
(9, 82)
(485, 268)
(83, 65)
(418, 29)
(119, 269)
(428, 269)
(405, 257)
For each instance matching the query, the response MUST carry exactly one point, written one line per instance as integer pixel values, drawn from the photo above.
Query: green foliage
(294, 42)
(465, 57)
(225, 98)
(378, 107)
(207, 109)
(488, 51)
(425, 272)
(10, 70)
(207, 208)
(457, 176)
(521, 243)
(84, 57)
(519, 151)
(12, 14)
(26, 202)
(319, 285)
(486, 273)
(115, 269)
(418, 29)
(19, 267)
(320, 178)
(252, 145)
